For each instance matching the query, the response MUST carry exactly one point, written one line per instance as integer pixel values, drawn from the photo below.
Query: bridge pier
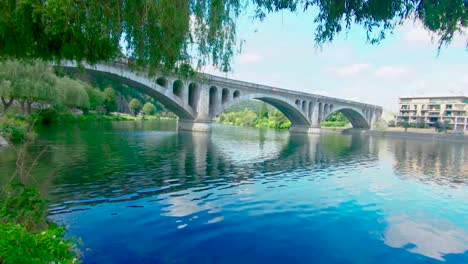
(304, 129)
(198, 126)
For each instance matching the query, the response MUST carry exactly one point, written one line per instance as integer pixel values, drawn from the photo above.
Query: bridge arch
(357, 118)
(288, 107)
(157, 87)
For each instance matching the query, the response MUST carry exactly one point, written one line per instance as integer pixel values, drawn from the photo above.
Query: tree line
(258, 114)
(29, 82)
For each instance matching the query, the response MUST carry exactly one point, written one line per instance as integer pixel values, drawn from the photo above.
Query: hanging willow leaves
(159, 33)
(171, 34)
(377, 17)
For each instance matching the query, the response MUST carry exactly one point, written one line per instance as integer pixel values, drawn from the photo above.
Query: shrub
(23, 205)
(14, 130)
(149, 109)
(333, 124)
(25, 234)
(18, 245)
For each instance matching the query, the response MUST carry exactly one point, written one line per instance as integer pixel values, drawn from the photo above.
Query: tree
(421, 123)
(263, 113)
(149, 109)
(110, 101)
(135, 106)
(73, 93)
(30, 82)
(159, 33)
(406, 125)
(444, 18)
(96, 97)
(176, 33)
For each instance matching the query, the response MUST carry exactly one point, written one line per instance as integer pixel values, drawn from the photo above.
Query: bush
(14, 129)
(18, 245)
(334, 124)
(149, 109)
(23, 205)
(45, 116)
(25, 234)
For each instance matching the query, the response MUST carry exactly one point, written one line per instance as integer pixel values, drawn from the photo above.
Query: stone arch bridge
(198, 101)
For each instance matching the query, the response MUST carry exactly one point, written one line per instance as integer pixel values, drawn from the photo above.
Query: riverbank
(399, 134)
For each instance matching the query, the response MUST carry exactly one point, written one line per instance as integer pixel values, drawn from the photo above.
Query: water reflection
(207, 197)
(433, 239)
(169, 162)
(432, 161)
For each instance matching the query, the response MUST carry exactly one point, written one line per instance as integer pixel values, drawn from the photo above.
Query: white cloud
(416, 34)
(390, 72)
(350, 70)
(249, 57)
(427, 238)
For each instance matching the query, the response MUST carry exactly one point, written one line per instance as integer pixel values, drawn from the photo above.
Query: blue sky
(280, 51)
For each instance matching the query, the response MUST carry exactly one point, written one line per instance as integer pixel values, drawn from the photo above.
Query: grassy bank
(26, 236)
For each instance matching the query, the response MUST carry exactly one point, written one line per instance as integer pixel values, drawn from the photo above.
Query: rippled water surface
(143, 193)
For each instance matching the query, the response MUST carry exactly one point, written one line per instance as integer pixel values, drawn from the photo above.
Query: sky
(280, 52)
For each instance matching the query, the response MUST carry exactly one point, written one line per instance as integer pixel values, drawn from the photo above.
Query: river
(143, 193)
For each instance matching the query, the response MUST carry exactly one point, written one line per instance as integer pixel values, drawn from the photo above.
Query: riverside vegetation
(32, 91)
(32, 95)
(26, 235)
(258, 114)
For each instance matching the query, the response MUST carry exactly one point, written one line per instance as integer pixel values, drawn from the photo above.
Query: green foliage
(96, 98)
(23, 205)
(406, 125)
(333, 124)
(149, 109)
(172, 34)
(14, 129)
(135, 106)
(110, 101)
(18, 245)
(73, 93)
(444, 18)
(278, 120)
(263, 113)
(421, 124)
(25, 234)
(250, 118)
(392, 123)
(28, 82)
(156, 33)
(336, 119)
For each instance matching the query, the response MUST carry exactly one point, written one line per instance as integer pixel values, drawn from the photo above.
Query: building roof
(436, 97)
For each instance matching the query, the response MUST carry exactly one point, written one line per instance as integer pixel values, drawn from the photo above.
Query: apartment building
(431, 110)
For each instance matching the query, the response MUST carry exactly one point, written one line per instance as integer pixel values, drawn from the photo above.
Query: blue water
(143, 193)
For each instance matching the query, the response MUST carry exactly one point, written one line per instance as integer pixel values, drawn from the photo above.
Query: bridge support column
(198, 126)
(304, 129)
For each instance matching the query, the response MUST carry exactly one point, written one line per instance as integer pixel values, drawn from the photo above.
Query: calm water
(143, 193)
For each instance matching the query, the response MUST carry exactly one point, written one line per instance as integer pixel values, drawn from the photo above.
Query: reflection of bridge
(197, 102)
(197, 160)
